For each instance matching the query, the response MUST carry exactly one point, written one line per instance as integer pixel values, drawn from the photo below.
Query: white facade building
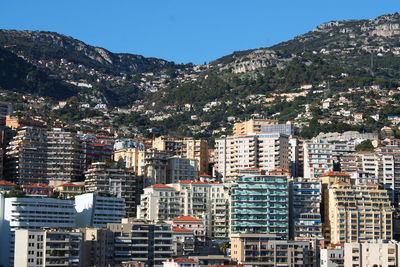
(266, 151)
(182, 169)
(383, 253)
(31, 213)
(35, 248)
(201, 200)
(96, 211)
(332, 257)
(317, 158)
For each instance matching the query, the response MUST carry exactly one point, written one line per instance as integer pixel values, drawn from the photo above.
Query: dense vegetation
(332, 58)
(19, 76)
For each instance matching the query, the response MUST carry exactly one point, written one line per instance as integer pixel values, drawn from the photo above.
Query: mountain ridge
(329, 59)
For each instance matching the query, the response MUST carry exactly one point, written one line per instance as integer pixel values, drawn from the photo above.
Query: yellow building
(354, 213)
(150, 163)
(132, 158)
(187, 147)
(251, 126)
(69, 191)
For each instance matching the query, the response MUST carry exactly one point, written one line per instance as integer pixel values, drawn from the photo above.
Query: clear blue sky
(183, 30)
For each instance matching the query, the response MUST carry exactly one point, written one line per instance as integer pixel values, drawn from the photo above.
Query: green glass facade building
(260, 204)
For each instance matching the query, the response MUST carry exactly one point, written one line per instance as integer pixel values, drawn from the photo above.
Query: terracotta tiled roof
(186, 219)
(370, 184)
(178, 229)
(38, 185)
(160, 186)
(184, 260)
(334, 174)
(4, 182)
(99, 145)
(252, 168)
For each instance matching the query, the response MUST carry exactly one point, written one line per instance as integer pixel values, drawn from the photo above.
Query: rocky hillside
(20, 76)
(113, 78)
(38, 45)
(340, 38)
(324, 62)
(278, 82)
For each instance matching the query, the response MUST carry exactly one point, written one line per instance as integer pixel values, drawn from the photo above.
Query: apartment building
(158, 166)
(108, 179)
(1, 163)
(183, 240)
(93, 210)
(18, 122)
(264, 151)
(294, 166)
(251, 126)
(31, 213)
(332, 256)
(381, 167)
(287, 128)
(355, 213)
(256, 249)
(318, 158)
(48, 248)
(136, 240)
(187, 147)
(98, 247)
(94, 151)
(181, 262)
(69, 191)
(260, 204)
(190, 223)
(148, 163)
(208, 201)
(6, 186)
(179, 169)
(372, 253)
(201, 200)
(5, 109)
(159, 202)
(305, 201)
(38, 189)
(38, 155)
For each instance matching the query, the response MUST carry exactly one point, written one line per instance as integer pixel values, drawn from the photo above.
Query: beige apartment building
(156, 166)
(98, 247)
(267, 152)
(264, 250)
(38, 155)
(384, 253)
(141, 241)
(318, 158)
(355, 213)
(251, 126)
(187, 147)
(118, 182)
(135, 158)
(48, 248)
(205, 201)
